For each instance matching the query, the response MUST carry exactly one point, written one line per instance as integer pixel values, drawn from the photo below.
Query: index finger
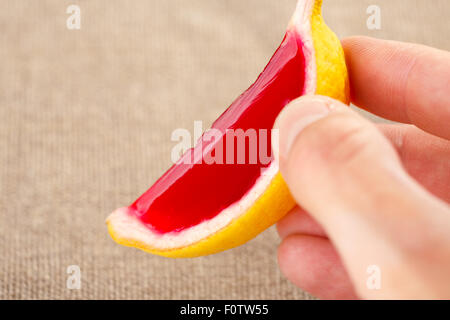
(402, 82)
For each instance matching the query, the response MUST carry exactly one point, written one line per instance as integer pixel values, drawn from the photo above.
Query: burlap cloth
(85, 123)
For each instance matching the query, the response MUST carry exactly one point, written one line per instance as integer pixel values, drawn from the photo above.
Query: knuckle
(340, 139)
(351, 145)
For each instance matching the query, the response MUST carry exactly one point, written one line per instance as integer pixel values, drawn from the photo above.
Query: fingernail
(294, 119)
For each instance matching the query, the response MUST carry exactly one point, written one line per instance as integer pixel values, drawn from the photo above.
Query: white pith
(127, 227)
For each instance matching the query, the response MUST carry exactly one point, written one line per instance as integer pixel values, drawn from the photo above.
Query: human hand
(371, 195)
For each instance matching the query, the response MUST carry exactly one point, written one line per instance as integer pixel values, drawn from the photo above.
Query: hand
(371, 195)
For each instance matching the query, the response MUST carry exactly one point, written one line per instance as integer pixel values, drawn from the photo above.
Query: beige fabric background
(85, 124)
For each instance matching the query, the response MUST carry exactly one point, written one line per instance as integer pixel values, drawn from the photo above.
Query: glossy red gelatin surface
(188, 194)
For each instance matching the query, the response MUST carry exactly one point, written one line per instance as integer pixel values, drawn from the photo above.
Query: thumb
(328, 152)
(347, 175)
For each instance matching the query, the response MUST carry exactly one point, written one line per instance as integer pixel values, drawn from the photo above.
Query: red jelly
(189, 193)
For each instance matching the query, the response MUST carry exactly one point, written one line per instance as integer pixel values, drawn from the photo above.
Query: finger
(298, 221)
(312, 264)
(402, 82)
(425, 157)
(341, 169)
